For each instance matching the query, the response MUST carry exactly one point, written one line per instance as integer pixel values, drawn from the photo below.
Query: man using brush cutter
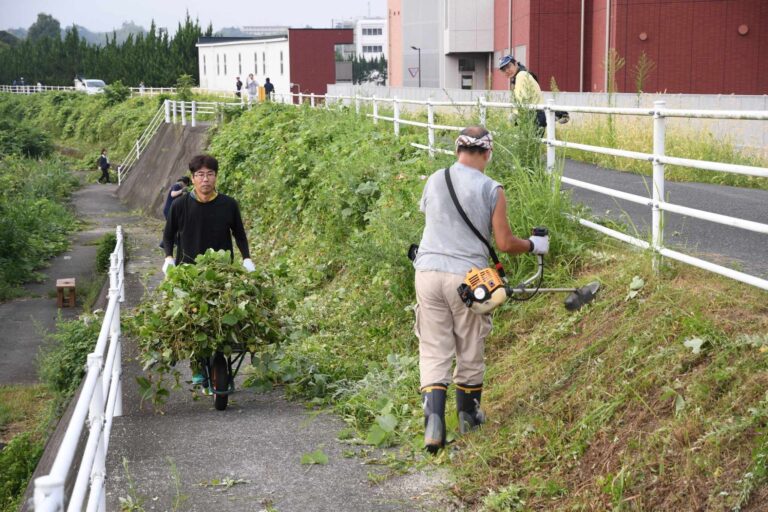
(461, 204)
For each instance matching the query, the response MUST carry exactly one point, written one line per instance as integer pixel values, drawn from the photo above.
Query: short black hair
(475, 131)
(185, 180)
(200, 161)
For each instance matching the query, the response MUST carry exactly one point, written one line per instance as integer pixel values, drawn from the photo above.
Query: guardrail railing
(657, 159)
(32, 89)
(99, 402)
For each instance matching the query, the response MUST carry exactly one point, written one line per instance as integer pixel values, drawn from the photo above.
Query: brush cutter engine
(482, 290)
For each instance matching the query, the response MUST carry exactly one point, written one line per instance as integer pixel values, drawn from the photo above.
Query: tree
(46, 26)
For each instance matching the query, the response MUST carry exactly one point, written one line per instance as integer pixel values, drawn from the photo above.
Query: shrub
(20, 139)
(116, 92)
(105, 249)
(184, 86)
(18, 461)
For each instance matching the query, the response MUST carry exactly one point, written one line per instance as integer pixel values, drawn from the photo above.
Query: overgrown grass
(635, 134)
(34, 222)
(604, 408)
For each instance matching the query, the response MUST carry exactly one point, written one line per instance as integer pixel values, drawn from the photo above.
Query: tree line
(154, 58)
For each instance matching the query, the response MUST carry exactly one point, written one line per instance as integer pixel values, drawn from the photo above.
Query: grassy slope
(598, 409)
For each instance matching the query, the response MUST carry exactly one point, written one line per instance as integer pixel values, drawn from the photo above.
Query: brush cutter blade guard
(581, 296)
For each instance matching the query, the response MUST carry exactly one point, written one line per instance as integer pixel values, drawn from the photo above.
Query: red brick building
(696, 46)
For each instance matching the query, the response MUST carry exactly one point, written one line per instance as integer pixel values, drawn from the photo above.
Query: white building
(222, 59)
(371, 38)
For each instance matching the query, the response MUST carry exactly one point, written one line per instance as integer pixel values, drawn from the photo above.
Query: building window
(264, 63)
(204, 70)
(466, 65)
(281, 62)
(239, 64)
(372, 49)
(466, 81)
(225, 64)
(218, 69)
(256, 62)
(372, 31)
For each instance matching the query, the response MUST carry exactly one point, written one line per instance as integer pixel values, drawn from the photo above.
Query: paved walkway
(27, 320)
(732, 247)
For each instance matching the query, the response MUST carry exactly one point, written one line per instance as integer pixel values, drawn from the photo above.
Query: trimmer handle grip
(539, 231)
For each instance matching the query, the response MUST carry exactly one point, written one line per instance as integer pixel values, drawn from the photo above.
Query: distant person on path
(238, 86)
(525, 86)
(141, 88)
(176, 190)
(203, 219)
(268, 90)
(445, 326)
(253, 88)
(104, 165)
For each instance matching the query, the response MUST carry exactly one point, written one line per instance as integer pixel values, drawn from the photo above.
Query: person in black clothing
(204, 219)
(238, 86)
(104, 165)
(200, 220)
(269, 88)
(177, 189)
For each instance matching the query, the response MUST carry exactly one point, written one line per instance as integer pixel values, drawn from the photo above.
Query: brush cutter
(483, 290)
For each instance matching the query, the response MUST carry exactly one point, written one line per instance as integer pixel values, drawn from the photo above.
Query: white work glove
(248, 264)
(168, 263)
(539, 244)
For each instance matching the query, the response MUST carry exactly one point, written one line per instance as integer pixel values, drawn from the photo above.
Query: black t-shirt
(204, 226)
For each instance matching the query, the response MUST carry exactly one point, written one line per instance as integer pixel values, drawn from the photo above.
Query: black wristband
(532, 246)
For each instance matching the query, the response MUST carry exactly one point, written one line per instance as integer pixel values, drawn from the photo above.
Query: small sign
(413, 72)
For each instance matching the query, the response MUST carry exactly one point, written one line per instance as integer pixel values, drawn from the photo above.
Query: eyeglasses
(203, 175)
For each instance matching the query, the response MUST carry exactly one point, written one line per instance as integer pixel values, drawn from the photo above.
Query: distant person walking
(141, 88)
(104, 165)
(253, 88)
(238, 86)
(269, 89)
(177, 189)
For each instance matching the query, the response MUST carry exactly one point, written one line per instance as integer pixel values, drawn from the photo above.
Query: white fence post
(194, 114)
(301, 98)
(357, 104)
(431, 127)
(96, 420)
(396, 115)
(174, 111)
(325, 99)
(138, 150)
(657, 216)
(375, 110)
(167, 105)
(49, 489)
(183, 114)
(549, 112)
(312, 100)
(483, 110)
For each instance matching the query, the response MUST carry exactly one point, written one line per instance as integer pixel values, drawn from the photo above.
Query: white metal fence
(657, 159)
(31, 89)
(100, 400)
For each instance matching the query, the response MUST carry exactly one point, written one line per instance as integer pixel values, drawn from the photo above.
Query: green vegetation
(21, 139)
(652, 398)
(154, 58)
(211, 306)
(80, 124)
(34, 223)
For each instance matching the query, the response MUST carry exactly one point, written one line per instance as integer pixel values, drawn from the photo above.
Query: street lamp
(418, 50)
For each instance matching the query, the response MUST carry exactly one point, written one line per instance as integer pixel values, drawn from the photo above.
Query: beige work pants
(446, 327)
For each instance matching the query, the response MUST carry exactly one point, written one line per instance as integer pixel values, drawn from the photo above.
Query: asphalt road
(732, 247)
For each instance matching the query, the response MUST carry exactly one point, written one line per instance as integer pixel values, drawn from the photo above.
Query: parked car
(89, 85)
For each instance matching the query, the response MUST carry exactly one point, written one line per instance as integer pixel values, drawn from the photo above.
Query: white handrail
(102, 379)
(658, 159)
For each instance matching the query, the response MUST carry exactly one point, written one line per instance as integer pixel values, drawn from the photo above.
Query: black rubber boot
(468, 407)
(433, 402)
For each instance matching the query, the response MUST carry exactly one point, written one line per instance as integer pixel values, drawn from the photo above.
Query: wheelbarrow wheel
(220, 381)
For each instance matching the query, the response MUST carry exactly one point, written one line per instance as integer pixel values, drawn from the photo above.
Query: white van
(89, 85)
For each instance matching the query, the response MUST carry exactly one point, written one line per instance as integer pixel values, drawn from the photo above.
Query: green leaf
(229, 319)
(376, 436)
(387, 422)
(316, 457)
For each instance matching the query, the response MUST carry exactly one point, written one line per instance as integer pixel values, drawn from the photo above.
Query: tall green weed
(331, 202)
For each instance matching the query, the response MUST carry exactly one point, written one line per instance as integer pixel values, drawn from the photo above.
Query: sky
(105, 15)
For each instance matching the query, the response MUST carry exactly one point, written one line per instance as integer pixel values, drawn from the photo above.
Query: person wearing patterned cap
(448, 249)
(526, 89)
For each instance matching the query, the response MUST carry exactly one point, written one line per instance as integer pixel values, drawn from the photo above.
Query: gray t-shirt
(448, 244)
